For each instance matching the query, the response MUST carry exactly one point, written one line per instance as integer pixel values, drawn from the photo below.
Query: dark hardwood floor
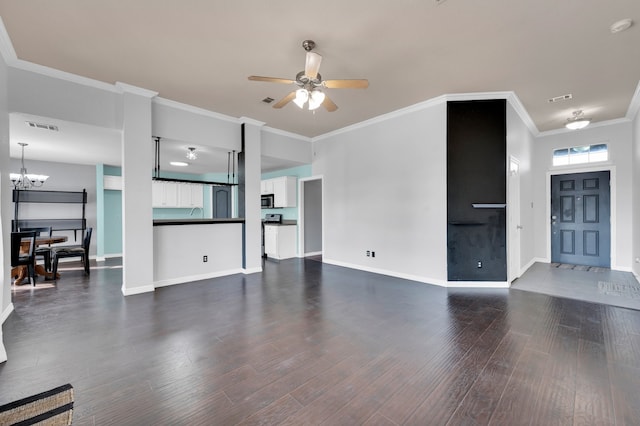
(309, 343)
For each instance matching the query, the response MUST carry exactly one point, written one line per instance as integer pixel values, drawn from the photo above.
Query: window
(580, 154)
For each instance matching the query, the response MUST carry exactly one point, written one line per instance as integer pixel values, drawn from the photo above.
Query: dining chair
(26, 259)
(81, 251)
(42, 251)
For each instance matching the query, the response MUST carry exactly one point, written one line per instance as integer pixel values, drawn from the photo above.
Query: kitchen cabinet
(176, 194)
(190, 195)
(164, 194)
(283, 188)
(266, 187)
(280, 241)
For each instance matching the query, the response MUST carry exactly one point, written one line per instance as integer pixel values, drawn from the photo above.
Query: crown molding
(634, 106)
(6, 47)
(247, 120)
(286, 134)
(510, 97)
(193, 109)
(135, 90)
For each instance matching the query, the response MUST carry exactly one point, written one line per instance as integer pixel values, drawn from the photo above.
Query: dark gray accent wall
(476, 174)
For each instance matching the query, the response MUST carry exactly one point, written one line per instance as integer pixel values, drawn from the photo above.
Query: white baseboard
(395, 274)
(418, 278)
(313, 253)
(478, 284)
(3, 317)
(137, 290)
(107, 256)
(192, 278)
(3, 351)
(248, 271)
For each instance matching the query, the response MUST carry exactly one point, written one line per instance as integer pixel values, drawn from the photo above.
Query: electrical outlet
(373, 254)
(205, 258)
(368, 253)
(479, 264)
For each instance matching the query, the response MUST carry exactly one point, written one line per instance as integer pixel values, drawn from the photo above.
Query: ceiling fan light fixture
(316, 99)
(302, 96)
(578, 121)
(191, 153)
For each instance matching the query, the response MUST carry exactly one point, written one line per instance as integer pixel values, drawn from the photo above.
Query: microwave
(267, 201)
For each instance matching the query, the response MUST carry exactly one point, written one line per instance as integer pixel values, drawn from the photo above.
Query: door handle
(519, 226)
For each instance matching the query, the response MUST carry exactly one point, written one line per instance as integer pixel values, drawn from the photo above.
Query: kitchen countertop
(285, 222)
(163, 222)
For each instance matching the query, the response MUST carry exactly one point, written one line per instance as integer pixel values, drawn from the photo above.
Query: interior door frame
(613, 206)
(301, 181)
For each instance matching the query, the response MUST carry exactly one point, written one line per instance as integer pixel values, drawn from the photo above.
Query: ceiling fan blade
(270, 79)
(329, 104)
(346, 84)
(312, 65)
(282, 102)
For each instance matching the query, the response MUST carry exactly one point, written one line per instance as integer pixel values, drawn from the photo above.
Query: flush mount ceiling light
(578, 121)
(620, 25)
(179, 163)
(23, 180)
(191, 153)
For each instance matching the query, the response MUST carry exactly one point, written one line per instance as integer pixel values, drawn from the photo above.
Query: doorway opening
(311, 229)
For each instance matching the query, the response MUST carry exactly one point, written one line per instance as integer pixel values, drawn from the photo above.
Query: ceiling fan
(310, 83)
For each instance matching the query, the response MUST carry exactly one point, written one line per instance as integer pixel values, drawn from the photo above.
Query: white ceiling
(201, 52)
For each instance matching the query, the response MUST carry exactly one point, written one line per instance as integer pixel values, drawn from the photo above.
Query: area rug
(40, 285)
(53, 407)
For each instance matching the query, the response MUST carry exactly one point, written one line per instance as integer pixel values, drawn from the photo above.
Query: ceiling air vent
(42, 126)
(560, 98)
(268, 100)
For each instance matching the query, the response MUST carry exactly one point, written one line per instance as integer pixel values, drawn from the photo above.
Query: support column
(6, 307)
(252, 235)
(137, 214)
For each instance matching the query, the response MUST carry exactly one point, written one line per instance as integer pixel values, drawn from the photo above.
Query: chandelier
(24, 180)
(191, 153)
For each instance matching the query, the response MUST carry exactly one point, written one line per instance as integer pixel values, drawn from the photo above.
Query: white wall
(5, 204)
(43, 95)
(178, 251)
(276, 144)
(385, 191)
(520, 145)
(636, 193)
(618, 137)
(62, 177)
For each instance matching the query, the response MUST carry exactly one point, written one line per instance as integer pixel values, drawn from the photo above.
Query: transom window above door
(580, 154)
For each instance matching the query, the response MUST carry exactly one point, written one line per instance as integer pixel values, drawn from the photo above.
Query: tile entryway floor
(597, 285)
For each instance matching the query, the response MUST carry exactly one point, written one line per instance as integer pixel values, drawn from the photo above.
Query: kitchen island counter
(163, 222)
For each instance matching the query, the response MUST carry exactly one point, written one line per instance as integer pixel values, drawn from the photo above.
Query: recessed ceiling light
(179, 163)
(620, 25)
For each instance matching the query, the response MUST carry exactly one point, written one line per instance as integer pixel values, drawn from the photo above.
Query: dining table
(20, 272)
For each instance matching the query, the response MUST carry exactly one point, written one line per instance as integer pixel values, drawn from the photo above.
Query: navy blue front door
(580, 219)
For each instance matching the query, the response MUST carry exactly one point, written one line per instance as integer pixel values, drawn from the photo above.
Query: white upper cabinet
(283, 189)
(176, 194)
(190, 195)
